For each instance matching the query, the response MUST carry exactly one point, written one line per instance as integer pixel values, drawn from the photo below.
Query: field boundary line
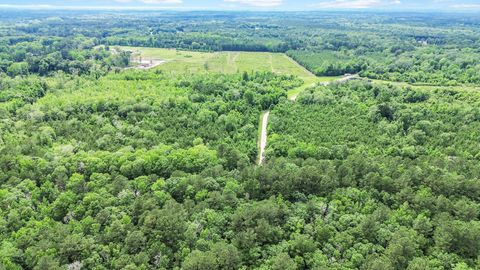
(298, 64)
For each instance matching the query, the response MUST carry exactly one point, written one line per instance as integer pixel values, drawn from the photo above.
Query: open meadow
(180, 61)
(193, 62)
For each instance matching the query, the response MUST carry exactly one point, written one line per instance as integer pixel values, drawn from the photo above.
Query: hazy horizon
(250, 5)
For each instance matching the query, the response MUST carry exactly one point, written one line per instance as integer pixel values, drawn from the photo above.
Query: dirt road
(263, 136)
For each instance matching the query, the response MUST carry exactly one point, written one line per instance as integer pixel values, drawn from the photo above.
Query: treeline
(430, 65)
(199, 42)
(75, 55)
(328, 63)
(395, 47)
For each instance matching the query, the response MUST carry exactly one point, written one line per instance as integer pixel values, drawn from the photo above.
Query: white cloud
(356, 4)
(466, 6)
(25, 6)
(162, 1)
(258, 3)
(152, 1)
(117, 7)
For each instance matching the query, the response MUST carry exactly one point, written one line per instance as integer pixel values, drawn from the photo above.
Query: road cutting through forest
(264, 118)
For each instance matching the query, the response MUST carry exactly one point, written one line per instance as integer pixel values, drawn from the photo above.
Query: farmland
(179, 61)
(228, 140)
(192, 62)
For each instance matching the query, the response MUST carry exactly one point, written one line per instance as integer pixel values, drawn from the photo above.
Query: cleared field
(181, 62)
(225, 62)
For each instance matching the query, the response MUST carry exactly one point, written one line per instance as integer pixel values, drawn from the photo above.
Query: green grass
(308, 82)
(181, 62)
(178, 61)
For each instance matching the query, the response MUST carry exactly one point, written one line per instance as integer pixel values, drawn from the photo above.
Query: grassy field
(181, 62)
(225, 62)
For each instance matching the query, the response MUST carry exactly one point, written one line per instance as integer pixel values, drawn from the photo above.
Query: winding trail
(263, 137)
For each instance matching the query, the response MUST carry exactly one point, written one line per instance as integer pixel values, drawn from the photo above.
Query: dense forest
(44, 55)
(104, 166)
(415, 48)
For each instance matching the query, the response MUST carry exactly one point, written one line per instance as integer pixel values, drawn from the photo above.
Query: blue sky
(413, 5)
